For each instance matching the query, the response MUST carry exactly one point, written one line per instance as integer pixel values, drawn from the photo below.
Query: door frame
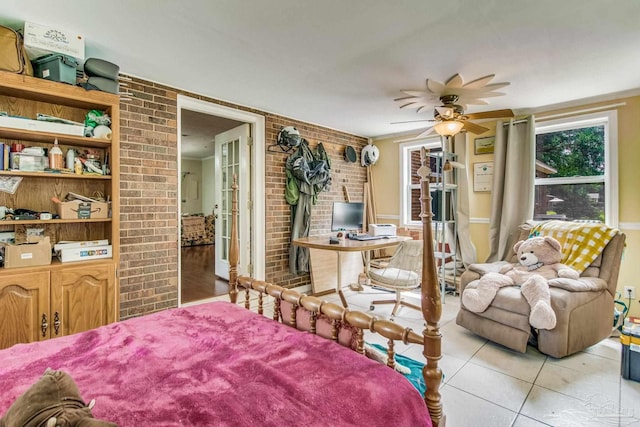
(257, 168)
(241, 134)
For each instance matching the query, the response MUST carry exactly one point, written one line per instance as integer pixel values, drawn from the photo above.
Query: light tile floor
(488, 385)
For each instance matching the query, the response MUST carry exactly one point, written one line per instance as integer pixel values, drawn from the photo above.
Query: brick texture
(149, 196)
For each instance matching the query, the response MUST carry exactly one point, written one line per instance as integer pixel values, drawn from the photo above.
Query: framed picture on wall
(483, 176)
(484, 145)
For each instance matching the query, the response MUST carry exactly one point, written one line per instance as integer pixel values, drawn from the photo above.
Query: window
(576, 169)
(410, 181)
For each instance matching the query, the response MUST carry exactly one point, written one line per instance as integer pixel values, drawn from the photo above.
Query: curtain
(465, 246)
(512, 196)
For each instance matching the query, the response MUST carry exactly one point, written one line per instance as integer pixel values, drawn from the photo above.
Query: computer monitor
(347, 216)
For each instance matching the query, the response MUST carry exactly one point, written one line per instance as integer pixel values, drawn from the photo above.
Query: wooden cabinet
(73, 296)
(24, 307)
(83, 298)
(48, 304)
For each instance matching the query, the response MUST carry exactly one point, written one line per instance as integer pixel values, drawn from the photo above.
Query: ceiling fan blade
(495, 114)
(415, 93)
(481, 82)
(428, 131)
(402, 98)
(434, 87)
(409, 104)
(412, 121)
(455, 81)
(411, 139)
(474, 128)
(445, 112)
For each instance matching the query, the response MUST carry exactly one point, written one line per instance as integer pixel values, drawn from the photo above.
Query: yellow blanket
(581, 243)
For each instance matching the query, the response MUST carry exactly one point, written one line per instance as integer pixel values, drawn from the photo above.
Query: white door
(232, 156)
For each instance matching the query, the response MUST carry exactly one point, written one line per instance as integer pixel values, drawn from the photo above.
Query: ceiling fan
(450, 118)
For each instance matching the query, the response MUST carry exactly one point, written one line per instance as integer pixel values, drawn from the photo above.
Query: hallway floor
(199, 280)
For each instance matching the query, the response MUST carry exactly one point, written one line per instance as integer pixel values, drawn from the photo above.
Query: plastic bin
(59, 68)
(630, 339)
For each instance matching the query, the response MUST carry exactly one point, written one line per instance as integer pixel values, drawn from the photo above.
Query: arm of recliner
(467, 277)
(476, 271)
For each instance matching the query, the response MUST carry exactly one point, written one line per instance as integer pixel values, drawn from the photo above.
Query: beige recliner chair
(583, 318)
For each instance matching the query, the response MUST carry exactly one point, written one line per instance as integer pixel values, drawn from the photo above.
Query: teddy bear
(539, 259)
(53, 401)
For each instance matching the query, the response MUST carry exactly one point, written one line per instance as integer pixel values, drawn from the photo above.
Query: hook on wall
(282, 148)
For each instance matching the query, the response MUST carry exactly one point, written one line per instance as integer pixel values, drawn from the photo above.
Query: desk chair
(403, 273)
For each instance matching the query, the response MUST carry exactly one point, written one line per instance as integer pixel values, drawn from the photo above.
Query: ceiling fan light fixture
(448, 128)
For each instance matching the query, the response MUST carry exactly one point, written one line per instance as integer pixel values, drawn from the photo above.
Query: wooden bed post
(431, 301)
(233, 243)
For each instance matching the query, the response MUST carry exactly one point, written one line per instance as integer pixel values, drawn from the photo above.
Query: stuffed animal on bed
(539, 260)
(53, 401)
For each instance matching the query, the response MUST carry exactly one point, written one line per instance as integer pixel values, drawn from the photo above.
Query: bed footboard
(326, 319)
(347, 327)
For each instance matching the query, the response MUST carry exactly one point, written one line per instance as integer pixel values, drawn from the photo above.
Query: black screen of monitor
(347, 216)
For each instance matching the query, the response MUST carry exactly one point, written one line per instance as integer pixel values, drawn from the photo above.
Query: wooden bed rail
(316, 308)
(338, 316)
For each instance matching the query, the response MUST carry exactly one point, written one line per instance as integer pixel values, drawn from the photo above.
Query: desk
(346, 245)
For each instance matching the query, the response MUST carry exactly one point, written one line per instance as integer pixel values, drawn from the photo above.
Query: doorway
(209, 154)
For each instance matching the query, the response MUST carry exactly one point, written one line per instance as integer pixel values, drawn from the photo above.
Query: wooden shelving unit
(76, 296)
(444, 196)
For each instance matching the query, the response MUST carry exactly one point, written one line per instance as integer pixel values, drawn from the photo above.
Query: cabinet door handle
(44, 325)
(56, 322)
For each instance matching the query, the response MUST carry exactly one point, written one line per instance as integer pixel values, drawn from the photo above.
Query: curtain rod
(570, 113)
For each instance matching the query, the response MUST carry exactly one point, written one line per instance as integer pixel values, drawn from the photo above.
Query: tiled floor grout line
(485, 399)
(466, 362)
(530, 418)
(533, 384)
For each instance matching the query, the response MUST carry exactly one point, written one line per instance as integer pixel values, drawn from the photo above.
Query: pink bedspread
(217, 364)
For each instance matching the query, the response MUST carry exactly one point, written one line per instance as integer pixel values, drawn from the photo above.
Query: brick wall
(149, 205)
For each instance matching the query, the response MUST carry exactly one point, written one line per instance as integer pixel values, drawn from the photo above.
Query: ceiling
(198, 131)
(340, 64)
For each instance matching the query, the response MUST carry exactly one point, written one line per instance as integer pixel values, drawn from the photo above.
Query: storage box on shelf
(56, 67)
(84, 250)
(86, 253)
(26, 254)
(38, 41)
(40, 125)
(82, 210)
(60, 293)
